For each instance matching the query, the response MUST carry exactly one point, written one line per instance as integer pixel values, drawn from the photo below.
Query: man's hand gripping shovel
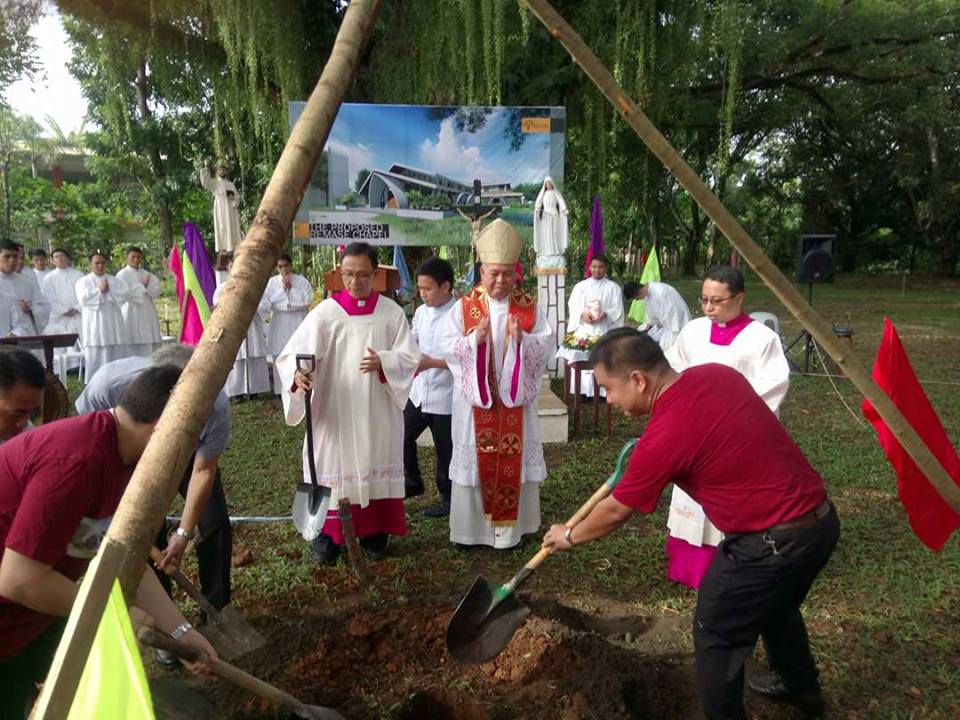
(311, 500)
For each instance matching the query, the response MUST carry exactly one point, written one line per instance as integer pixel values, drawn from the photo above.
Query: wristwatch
(188, 534)
(568, 536)
(182, 629)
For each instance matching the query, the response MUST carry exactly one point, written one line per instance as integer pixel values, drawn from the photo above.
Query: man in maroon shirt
(714, 437)
(60, 485)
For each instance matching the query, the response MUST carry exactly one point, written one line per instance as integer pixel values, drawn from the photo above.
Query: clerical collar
(352, 306)
(726, 333)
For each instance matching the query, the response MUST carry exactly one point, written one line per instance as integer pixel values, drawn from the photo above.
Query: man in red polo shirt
(714, 437)
(59, 488)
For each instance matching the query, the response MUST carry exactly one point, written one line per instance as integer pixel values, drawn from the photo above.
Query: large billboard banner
(409, 174)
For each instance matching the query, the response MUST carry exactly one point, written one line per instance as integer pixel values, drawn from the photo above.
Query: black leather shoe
(440, 510)
(771, 686)
(325, 550)
(375, 546)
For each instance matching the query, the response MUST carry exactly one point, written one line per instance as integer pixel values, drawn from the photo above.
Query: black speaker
(477, 188)
(815, 258)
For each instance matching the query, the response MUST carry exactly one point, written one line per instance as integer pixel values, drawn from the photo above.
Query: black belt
(809, 518)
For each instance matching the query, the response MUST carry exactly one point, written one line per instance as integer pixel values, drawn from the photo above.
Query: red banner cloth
(931, 518)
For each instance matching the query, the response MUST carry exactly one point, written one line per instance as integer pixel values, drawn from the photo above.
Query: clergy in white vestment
(498, 346)
(289, 296)
(365, 359)
(595, 306)
(250, 375)
(550, 225)
(226, 221)
(139, 311)
(104, 333)
(60, 289)
(728, 336)
(38, 259)
(13, 323)
(667, 311)
(31, 308)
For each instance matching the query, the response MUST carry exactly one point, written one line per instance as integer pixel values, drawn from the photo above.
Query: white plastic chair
(768, 319)
(63, 361)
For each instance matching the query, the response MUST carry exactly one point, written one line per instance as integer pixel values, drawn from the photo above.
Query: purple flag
(197, 252)
(596, 234)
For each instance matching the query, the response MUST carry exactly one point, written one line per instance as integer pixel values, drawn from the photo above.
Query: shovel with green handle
(488, 616)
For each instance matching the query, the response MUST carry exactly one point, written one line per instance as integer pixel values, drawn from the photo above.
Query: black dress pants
(214, 544)
(754, 587)
(20, 674)
(414, 423)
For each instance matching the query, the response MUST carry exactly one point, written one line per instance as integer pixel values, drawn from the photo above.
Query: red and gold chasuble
(499, 429)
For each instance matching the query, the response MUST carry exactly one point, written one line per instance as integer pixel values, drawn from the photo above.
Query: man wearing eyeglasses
(728, 336)
(365, 359)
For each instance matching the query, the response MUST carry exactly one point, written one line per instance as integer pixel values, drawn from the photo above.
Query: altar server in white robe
(38, 259)
(250, 375)
(728, 336)
(139, 311)
(31, 309)
(289, 296)
(365, 359)
(59, 287)
(595, 306)
(498, 346)
(101, 297)
(667, 311)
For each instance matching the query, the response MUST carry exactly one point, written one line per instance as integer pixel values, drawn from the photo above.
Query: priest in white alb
(59, 287)
(289, 296)
(666, 311)
(101, 297)
(728, 336)
(498, 342)
(30, 308)
(595, 306)
(139, 311)
(365, 359)
(250, 375)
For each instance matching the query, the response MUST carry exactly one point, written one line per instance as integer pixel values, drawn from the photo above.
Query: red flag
(175, 267)
(931, 518)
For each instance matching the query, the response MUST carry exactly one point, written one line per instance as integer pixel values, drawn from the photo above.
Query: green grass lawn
(884, 617)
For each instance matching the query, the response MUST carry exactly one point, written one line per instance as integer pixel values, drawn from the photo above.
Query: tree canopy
(803, 115)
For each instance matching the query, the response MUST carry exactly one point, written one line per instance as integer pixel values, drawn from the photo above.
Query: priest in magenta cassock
(498, 347)
(729, 336)
(366, 358)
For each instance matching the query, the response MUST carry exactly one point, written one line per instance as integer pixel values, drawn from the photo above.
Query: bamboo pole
(148, 496)
(751, 252)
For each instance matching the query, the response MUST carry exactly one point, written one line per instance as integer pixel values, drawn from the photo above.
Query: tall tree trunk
(165, 214)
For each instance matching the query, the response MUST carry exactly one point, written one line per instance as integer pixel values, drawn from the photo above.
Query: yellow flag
(113, 684)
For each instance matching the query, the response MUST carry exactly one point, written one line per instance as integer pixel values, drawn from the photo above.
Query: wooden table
(574, 368)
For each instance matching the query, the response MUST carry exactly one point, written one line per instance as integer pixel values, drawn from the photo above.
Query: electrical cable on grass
(823, 364)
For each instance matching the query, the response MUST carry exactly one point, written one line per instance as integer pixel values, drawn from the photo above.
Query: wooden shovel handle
(602, 492)
(184, 582)
(149, 636)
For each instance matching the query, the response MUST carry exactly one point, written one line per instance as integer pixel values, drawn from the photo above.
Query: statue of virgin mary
(550, 226)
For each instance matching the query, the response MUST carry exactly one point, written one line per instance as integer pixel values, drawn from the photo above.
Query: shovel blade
(310, 505)
(476, 634)
(231, 635)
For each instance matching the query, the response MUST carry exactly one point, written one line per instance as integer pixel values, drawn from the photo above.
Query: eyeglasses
(351, 276)
(716, 302)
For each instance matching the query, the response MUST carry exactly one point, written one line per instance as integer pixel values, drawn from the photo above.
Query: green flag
(651, 273)
(191, 284)
(113, 684)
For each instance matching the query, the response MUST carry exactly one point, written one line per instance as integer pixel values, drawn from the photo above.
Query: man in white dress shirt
(289, 296)
(139, 311)
(101, 297)
(431, 395)
(595, 306)
(497, 347)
